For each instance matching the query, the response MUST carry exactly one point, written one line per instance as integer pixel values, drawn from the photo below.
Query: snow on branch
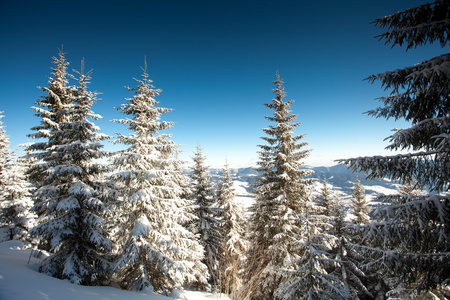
(82, 189)
(428, 168)
(419, 225)
(428, 134)
(419, 25)
(418, 92)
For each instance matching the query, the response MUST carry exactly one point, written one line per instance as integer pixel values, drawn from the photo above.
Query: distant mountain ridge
(339, 176)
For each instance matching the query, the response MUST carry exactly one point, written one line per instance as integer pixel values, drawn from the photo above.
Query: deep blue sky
(215, 61)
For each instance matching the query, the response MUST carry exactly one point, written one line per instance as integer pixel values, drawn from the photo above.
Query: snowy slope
(245, 198)
(21, 281)
(339, 176)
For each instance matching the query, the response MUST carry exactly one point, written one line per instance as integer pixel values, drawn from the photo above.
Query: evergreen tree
(15, 197)
(343, 264)
(406, 193)
(409, 189)
(232, 231)
(68, 196)
(359, 204)
(207, 211)
(311, 279)
(347, 266)
(280, 193)
(326, 200)
(4, 152)
(15, 200)
(157, 251)
(411, 238)
(321, 270)
(4, 146)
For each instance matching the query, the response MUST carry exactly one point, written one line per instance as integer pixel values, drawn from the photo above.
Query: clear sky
(215, 61)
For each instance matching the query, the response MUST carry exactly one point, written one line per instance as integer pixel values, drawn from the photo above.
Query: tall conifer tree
(15, 200)
(15, 192)
(326, 200)
(308, 276)
(315, 276)
(232, 232)
(69, 198)
(207, 211)
(157, 251)
(359, 204)
(4, 145)
(281, 192)
(345, 264)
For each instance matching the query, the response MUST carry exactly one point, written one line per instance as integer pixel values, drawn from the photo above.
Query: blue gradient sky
(215, 62)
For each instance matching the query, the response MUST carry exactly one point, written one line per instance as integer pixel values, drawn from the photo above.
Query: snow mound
(19, 280)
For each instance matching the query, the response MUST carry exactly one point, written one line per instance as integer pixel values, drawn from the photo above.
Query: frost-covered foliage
(409, 239)
(417, 26)
(15, 200)
(410, 189)
(409, 242)
(4, 146)
(345, 267)
(69, 197)
(4, 151)
(308, 275)
(157, 251)
(326, 200)
(359, 204)
(324, 269)
(232, 232)
(52, 110)
(280, 193)
(208, 212)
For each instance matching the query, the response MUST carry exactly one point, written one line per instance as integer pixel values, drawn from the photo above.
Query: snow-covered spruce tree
(326, 200)
(207, 211)
(343, 263)
(68, 196)
(396, 289)
(311, 279)
(321, 271)
(157, 251)
(359, 204)
(4, 151)
(15, 200)
(233, 232)
(346, 260)
(411, 239)
(280, 193)
(4, 146)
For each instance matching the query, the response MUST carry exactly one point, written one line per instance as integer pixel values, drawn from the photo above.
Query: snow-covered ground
(20, 280)
(243, 197)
